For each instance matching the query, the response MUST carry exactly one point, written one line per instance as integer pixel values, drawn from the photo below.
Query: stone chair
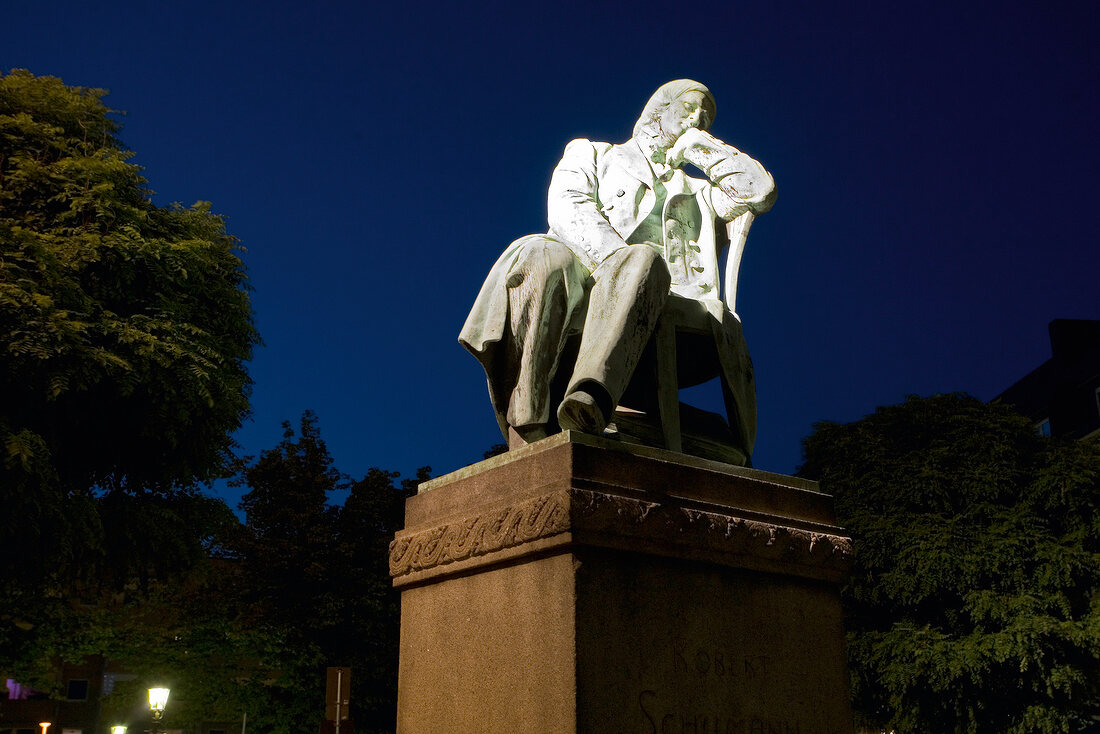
(682, 354)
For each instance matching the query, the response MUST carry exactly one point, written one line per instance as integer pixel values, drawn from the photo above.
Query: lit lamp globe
(158, 699)
(118, 729)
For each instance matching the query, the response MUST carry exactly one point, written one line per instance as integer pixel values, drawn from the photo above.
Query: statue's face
(684, 112)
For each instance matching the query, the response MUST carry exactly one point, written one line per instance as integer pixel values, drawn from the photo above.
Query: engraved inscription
(706, 686)
(662, 721)
(712, 662)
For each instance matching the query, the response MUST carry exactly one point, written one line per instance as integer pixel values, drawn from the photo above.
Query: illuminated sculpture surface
(564, 318)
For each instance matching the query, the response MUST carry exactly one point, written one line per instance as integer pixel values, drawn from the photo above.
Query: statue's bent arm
(740, 183)
(573, 210)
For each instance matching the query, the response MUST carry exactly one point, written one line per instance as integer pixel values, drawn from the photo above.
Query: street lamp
(158, 699)
(118, 729)
(45, 725)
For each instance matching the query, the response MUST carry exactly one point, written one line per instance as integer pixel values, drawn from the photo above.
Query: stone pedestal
(585, 585)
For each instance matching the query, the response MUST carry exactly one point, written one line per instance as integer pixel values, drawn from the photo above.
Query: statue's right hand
(692, 137)
(699, 148)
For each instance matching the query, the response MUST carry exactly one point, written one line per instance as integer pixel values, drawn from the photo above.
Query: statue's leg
(629, 292)
(545, 287)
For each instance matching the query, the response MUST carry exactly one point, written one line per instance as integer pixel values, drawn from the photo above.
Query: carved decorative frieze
(481, 534)
(598, 514)
(715, 531)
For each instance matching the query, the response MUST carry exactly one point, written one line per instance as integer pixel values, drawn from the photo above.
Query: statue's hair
(668, 93)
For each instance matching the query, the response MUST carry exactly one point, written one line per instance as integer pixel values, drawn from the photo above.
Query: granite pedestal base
(580, 585)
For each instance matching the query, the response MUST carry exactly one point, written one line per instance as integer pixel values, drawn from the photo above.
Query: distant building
(1062, 395)
(78, 709)
(76, 712)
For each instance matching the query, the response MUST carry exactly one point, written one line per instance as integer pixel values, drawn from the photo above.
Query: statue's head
(673, 108)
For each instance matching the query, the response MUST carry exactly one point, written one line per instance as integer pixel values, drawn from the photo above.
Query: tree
(316, 577)
(191, 634)
(285, 554)
(124, 332)
(286, 550)
(252, 625)
(367, 632)
(973, 605)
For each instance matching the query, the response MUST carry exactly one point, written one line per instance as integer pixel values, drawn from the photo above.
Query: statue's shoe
(580, 412)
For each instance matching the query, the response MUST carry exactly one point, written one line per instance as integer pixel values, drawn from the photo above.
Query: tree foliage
(366, 634)
(125, 329)
(973, 606)
(317, 576)
(124, 332)
(301, 585)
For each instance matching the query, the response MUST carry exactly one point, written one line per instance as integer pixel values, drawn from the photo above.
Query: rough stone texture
(584, 585)
(673, 646)
(490, 652)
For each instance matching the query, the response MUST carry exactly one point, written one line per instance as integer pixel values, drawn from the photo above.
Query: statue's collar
(633, 159)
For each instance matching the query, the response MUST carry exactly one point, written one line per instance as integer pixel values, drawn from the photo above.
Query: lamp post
(45, 725)
(118, 729)
(158, 699)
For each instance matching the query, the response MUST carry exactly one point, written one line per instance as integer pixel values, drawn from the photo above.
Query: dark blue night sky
(937, 167)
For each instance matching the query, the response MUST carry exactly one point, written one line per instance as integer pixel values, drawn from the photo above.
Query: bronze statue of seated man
(563, 318)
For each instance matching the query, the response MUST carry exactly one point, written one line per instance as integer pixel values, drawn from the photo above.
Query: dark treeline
(974, 604)
(250, 624)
